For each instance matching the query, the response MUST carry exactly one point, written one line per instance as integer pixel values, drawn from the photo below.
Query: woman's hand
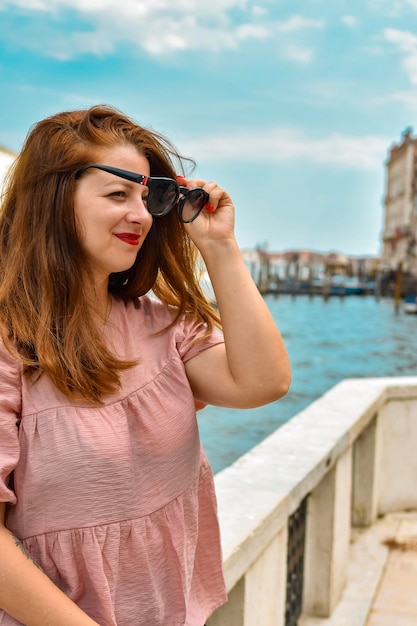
(27, 594)
(216, 221)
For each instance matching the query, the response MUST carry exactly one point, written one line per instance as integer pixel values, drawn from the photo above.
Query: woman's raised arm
(252, 367)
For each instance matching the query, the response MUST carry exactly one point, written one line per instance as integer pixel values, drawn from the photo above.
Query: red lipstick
(130, 238)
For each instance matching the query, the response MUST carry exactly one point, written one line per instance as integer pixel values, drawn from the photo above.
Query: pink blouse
(116, 503)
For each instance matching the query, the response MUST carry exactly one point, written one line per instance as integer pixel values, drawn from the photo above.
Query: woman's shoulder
(148, 316)
(152, 306)
(8, 359)
(11, 375)
(146, 308)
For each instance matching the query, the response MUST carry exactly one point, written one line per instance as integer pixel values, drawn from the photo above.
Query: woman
(107, 503)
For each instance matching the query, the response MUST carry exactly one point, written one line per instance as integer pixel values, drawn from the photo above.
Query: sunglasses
(164, 193)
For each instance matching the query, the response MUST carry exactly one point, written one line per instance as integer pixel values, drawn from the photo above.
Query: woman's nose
(138, 211)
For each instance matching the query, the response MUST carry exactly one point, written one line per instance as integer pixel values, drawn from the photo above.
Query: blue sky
(290, 105)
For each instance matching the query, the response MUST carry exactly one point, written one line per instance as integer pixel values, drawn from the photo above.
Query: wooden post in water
(398, 286)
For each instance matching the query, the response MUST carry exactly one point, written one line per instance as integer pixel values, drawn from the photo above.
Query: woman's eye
(145, 199)
(117, 194)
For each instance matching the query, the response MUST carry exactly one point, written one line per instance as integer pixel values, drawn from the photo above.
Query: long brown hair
(44, 275)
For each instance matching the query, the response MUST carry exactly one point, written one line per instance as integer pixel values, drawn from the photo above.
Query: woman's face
(111, 214)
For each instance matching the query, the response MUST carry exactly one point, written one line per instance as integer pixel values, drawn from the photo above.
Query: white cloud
(298, 54)
(297, 22)
(406, 98)
(252, 31)
(350, 21)
(406, 43)
(389, 8)
(257, 10)
(31, 5)
(159, 27)
(286, 144)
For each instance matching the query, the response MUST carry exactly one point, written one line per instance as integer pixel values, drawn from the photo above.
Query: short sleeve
(191, 338)
(10, 410)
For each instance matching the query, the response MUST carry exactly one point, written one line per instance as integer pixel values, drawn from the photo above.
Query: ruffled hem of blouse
(154, 566)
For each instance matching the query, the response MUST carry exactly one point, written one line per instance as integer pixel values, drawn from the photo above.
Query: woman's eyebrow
(119, 181)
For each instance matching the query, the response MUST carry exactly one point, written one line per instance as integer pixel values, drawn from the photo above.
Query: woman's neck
(101, 303)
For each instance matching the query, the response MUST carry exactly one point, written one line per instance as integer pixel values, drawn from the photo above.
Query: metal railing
(295, 564)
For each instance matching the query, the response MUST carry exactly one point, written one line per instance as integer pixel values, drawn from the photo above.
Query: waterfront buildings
(309, 271)
(399, 238)
(394, 273)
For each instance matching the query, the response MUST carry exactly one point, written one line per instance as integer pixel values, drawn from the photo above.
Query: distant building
(307, 268)
(6, 159)
(400, 202)
(304, 265)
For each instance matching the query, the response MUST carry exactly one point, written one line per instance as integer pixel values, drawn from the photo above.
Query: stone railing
(343, 461)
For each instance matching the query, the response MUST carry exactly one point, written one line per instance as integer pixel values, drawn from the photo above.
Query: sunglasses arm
(132, 176)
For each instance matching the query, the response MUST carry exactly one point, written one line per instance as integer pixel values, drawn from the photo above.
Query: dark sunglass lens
(163, 195)
(193, 203)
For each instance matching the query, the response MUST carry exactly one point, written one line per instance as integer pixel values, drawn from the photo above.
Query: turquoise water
(327, 341)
